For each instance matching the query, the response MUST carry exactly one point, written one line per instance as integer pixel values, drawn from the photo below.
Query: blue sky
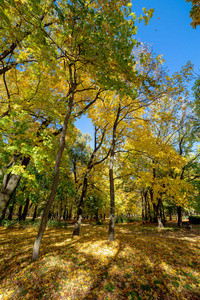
(169, 33)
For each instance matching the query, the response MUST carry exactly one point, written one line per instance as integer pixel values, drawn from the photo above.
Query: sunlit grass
(142, 263)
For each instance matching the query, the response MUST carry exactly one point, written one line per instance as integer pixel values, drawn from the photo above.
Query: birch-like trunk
(10, 183)
(158, 216)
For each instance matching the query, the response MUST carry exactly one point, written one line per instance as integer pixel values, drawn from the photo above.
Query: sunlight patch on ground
(101, 249)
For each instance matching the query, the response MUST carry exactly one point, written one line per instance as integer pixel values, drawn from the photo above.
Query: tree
(90, 165)
(91, 27)
(195, 12)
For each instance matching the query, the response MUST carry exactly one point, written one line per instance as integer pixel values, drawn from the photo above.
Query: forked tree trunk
(90, 165)
(10, 183)
(179, 211)
(37, 243)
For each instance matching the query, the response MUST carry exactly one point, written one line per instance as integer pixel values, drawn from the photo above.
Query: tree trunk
(90, 165)
(20, 213)
(163, 214)
(111, 236)
(64, 213)
(149, 210)
(37, 243)
(145, 205)
(10, 183)
(70, 212)
(81, 203)
(77, 225)
(158, 216)
(142, 196)
(179, 211)
(35, 213)
(97, 214)
(25, 211)
(61, 209)
(11, 209)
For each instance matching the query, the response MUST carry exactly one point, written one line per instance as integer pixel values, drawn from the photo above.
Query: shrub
(194, 219)
(121, 220)
(56, 224)
(133, 219)
(98, 222)
(124, 219)
(9, 224)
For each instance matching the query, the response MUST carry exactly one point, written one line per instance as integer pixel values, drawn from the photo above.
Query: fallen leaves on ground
(142, 263)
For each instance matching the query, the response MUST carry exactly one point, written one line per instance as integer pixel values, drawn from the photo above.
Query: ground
(143, 262)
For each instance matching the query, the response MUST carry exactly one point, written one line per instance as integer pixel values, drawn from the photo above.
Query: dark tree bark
(20, 213)
(111, 236)
(70, 212)
(10, 183)
(35, 213)
(149, 210)
(11, 209)
(163, 213)
(179, 211)
(156, 205)
(61, 209)
(145, 205)
(64, 213)
(97, 214)
(25, 211)
(142, 197)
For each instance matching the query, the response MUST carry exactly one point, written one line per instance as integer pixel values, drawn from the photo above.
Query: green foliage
(194, 219)
(99, 222)
(9, 224)
(123, 219)
(109, 287)
(56, 224)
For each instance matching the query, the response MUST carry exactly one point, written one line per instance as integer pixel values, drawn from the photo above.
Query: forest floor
(142, 263)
